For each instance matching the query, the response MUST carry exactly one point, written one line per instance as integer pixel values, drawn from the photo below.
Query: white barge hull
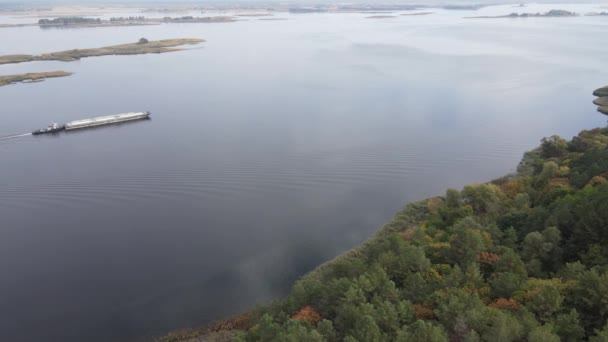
(106, 120)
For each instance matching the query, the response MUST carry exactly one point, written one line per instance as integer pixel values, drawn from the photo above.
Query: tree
(499, 326)
(510, 274)
(600, 335)
(554, 146)
(326, 329)
(457, 310)
(422, 331)
(545, 302)
(504, 284)
(542, 251)
(549, 171)
(543, 334)
(453, 198)
(466, 246)
(307, 314)
(296, 331)
(591, 299)
(483, 198)
(366, 330)
(568, 327)
(143, 41)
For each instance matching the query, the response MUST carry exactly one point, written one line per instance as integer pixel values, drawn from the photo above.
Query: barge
(94, 122)
(106, 120)
(52, 128)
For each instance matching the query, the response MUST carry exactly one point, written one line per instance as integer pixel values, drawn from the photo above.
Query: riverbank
(139, 48)
(31, 77)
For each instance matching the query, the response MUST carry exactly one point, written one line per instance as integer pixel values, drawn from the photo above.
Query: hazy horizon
(296, 2)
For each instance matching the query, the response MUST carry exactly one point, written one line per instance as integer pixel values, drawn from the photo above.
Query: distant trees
(142, 41)
(68, 21)
(128, 19)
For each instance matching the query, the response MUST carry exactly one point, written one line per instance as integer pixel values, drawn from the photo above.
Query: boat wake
(15, 136)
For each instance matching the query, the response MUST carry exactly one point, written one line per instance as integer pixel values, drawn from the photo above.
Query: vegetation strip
(31, 77)
(142, 47)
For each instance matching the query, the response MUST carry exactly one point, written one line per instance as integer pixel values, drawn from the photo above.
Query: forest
(520, 258)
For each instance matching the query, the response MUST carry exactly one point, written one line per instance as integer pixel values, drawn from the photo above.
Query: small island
(551, 14)
(380, 17)
(255, 15)
(31, 77)
(142, 47)
(602, 100)
(418, 13)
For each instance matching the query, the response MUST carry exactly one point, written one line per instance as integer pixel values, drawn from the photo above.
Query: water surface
(273, 147)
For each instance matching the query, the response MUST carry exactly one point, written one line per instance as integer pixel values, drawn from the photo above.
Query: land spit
(31, 77)
(142, 47)
(602, 100)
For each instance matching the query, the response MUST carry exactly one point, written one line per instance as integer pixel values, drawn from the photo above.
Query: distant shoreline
(70, 22)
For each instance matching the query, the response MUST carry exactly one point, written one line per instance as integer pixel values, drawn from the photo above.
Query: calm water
(273, 147)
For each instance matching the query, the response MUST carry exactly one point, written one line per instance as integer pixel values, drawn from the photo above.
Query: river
(273, 147)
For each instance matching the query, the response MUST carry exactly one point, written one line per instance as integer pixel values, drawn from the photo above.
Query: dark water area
(273, 147)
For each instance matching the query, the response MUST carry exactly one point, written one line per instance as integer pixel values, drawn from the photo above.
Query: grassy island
(521, 258)
(142, 47)
(602, 100)
(417, 13)
(380, 16)
(551, 14)
(31, 77)
(601, 92)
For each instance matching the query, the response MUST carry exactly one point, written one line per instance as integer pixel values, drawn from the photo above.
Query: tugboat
(52, 128)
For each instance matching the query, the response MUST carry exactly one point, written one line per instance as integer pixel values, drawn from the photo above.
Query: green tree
(545, 302)
(591, 299)
(510, 274)
(422, 331)
(554, 146)
(600, 335)
(326, 329)
(295, 331)
(458, 310)
(499, 326)
(542, 251)
(366, 330)
(453, 199)
(568, 327)
(485, 199)
(543, 334)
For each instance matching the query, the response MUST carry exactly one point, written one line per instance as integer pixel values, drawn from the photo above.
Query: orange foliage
(488, 258)
(308, 314)
(434, 203)
(512, 188)
(597, 180)
(240, 322)
(408, 234)
(506, 304)
(557, 182)
(423, 312)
